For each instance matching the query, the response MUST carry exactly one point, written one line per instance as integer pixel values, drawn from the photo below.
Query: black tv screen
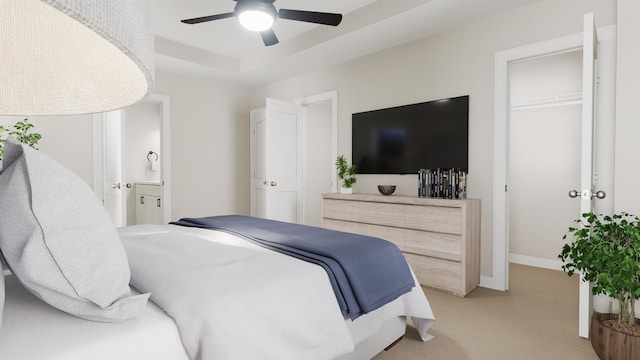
(404, 139)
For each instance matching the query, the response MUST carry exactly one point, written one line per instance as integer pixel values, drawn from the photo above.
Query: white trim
(98, 156)
(487, 282)
(546, 101)
(165, 149)
(501, 146)
(536, 261)
(254, 116)
(500, 271)
(333, 97)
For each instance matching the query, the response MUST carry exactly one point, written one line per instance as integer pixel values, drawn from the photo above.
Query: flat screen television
(404, 139)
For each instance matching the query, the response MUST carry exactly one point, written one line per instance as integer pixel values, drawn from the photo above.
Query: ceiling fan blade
(269, 37)
(207, 18)
(311, 16)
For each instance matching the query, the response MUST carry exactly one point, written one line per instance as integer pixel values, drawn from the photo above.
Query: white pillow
(1, 292)
(2, 272)
(58, 239)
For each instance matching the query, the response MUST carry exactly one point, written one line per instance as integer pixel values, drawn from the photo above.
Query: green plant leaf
(606, 251)
(346, 172)
(22, 131)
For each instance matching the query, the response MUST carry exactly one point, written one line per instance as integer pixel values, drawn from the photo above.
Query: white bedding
(272, 306)
(33, 330)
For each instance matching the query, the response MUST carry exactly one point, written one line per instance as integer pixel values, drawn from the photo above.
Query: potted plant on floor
(346, 173)
(606, 251)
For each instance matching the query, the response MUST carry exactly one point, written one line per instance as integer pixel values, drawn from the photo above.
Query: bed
(69, 294)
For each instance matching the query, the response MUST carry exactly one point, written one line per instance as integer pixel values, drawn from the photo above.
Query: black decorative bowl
(386, 189)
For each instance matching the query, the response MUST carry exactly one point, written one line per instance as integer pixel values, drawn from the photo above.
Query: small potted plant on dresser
(606, 251)
(347, 174)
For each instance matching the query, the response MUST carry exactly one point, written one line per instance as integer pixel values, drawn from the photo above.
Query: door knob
(264, 182)
(273, 183)
(598, 194)
(128, 185)
(115, 186)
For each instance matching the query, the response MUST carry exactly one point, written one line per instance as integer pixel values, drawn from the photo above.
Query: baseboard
(536, 261)
(487, 282)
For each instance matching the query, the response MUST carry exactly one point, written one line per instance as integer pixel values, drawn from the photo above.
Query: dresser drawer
(394, 235)
(433, 218)
(440, 274)
(368, 212)
(440, 238)
(340, 225)
(440, 245)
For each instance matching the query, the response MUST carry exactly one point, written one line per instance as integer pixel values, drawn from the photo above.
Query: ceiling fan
(259, 15)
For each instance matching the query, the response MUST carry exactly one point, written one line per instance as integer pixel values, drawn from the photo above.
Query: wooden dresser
(440, 238)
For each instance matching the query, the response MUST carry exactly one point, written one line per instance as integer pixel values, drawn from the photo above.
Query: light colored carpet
(536, 319)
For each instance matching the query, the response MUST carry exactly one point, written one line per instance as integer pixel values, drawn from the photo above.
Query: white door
(276, 161)
(114, 190)
(587, 178)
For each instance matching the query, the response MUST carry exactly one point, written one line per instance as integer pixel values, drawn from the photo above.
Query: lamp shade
(61, 57)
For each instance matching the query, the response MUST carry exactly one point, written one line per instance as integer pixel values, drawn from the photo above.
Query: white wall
(209, 145)
(544, 155)
(66, 139)
(456, 62)
(627, 111)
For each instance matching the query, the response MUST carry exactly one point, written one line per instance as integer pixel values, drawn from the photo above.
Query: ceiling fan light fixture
(256, 20)
(259, 16)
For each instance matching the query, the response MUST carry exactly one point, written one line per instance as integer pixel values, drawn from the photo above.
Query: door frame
(331, 96)
(500, 277)
(606, 130)
(502, 108)
(165, 149)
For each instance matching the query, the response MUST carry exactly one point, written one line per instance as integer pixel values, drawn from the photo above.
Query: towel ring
(152, 153)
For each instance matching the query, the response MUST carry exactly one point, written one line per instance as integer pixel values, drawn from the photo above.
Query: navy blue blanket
(365, 272)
